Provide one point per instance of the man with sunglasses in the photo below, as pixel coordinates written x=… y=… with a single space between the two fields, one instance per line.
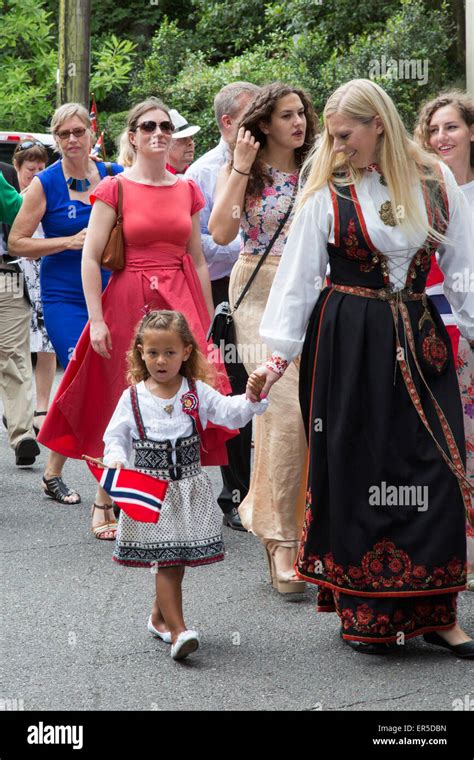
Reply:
x=229 y=105
x=16 y=376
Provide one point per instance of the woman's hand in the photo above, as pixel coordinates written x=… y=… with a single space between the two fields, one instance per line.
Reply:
x=100 y=338
x=116 y=465
x=246 y=149
x=76 y=242
x=259 y=383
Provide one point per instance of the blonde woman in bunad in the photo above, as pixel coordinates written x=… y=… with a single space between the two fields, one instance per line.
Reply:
x=256 y=193
x=446 y=127
x=160 y=419
x=384 y=534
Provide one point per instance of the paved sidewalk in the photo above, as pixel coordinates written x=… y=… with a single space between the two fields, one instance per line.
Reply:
x=74 y=626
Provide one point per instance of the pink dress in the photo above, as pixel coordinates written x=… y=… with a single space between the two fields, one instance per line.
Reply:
x=158 y=274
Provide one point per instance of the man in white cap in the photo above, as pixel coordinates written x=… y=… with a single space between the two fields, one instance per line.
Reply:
x=181 y=152
x=229 y=106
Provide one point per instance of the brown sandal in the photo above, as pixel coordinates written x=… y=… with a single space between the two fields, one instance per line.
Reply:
x=104 y=527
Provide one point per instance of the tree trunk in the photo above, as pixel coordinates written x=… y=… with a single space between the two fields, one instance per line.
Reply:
x=74 y=52
x=459 y=17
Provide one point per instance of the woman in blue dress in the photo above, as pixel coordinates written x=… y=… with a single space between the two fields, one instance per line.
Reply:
x=58 y=198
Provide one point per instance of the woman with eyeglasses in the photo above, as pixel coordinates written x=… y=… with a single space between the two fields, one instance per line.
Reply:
x=164 y=269
x=58 y=198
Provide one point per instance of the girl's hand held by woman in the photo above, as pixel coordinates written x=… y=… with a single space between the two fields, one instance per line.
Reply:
x=259 y=383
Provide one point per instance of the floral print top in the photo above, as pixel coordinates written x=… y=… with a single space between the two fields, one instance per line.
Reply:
x=262 y=215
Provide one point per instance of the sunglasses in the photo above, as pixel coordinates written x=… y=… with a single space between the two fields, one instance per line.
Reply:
x=65 y=133
x=27 y=145
x=150 y=126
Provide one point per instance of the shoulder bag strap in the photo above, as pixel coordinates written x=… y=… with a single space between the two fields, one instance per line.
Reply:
x=266 y=252
x=120 y=200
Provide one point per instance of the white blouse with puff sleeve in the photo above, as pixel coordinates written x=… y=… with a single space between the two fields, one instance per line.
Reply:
x=302 y=270
x=229 y=411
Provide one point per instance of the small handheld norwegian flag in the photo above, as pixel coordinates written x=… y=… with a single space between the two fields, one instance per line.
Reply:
x=140 y=496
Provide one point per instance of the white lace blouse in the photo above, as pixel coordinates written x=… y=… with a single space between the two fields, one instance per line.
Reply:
x=229 y=411
x=302 y=270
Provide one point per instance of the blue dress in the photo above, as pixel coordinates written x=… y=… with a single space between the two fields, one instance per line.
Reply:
x=64 y=305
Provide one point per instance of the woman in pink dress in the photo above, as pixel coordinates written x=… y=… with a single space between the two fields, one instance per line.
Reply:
x=164 y=269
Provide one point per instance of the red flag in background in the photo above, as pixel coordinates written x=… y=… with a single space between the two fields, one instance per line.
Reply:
x=140 y=496
x=99 y=146
x=93 y=116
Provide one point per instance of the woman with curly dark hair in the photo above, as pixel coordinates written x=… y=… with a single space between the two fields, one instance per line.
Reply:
x=255 y=193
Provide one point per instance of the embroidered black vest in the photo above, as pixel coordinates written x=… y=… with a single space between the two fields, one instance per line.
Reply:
x=353 y=258
x=156 y=457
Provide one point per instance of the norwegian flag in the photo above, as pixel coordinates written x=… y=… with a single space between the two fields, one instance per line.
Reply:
x=93 y=115
x=140 y=496
x=99 y=146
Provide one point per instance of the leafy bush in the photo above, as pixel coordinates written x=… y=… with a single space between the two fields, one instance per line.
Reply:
x=112 y=64
x=415 y=42
x=28 y=61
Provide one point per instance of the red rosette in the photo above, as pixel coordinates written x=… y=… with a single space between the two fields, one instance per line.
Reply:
x=189 y=402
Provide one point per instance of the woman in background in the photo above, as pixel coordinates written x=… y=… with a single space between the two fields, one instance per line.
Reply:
x=275 y=135
x=446 y=127
x=29 y=158
x=59 y=199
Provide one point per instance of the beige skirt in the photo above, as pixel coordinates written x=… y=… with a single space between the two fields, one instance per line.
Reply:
x=274 y=506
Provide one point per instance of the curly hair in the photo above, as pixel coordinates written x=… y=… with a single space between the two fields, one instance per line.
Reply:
x=195 y=368
x=261 y=109
x=464 y=104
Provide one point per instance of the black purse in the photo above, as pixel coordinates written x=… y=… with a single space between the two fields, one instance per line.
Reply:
x=222 y=330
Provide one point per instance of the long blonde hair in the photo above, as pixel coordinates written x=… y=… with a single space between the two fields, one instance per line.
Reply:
x=400 y=158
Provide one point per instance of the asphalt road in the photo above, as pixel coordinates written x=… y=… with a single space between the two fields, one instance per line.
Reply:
x=74 y=626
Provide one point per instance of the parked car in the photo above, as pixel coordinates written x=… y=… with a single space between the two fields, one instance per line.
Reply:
x=9 y=141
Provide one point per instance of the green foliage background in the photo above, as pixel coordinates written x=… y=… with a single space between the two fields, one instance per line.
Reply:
x=185 y=50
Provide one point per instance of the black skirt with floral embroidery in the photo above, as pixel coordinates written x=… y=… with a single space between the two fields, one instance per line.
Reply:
x=384 y=533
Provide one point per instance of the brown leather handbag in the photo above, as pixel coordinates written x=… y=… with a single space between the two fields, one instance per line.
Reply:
x=113 y=257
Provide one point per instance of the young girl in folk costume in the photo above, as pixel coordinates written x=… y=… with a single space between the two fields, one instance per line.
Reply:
x=160 y=418
x=446 y=127
x=384 y=534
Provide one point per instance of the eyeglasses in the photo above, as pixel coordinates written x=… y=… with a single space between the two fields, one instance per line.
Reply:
x=65 y=133
x=150 y=126
x=27 y=145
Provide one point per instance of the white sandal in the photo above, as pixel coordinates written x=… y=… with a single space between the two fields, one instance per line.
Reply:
x=166 y=636
x=187 y=642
